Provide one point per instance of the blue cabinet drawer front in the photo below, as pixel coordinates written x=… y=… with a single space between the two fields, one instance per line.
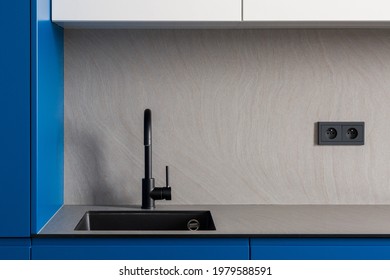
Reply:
x=14 y=249
x=140 y=249
x=320 y=249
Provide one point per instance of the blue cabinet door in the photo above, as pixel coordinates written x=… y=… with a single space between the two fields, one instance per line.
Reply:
x=15 y=118
x=320 y=248
x=140 y=249
x=15 y=248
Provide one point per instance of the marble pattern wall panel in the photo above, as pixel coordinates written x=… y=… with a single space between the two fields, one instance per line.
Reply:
x=234 y=115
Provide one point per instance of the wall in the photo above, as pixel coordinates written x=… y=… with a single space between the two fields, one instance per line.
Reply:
x=234 y=115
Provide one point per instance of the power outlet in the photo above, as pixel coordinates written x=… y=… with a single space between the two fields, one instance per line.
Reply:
x=340 y=133
x=330 y=133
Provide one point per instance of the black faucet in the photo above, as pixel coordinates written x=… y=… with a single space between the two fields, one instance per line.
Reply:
x=149 y=192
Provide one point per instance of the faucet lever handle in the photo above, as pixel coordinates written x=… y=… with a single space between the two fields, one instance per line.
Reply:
x=167 y=176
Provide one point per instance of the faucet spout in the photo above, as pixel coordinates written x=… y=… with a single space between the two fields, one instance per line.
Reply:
x=149 y=192
x=148 y=143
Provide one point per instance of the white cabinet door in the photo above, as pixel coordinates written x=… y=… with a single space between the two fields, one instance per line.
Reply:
x=145 y=10
x=316 y=10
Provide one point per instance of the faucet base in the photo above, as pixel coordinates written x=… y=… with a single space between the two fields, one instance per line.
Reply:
x=147 y=187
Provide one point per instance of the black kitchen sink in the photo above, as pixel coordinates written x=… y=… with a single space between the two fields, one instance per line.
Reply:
x=146 y=220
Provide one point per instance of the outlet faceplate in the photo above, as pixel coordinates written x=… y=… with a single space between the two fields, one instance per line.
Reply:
x=340 y=133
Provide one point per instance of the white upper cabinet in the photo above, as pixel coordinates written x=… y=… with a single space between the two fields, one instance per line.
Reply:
x=106 y=11
x=316 y=10
x=221 y=13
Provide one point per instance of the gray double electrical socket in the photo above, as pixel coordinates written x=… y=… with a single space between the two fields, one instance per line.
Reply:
x=340 y=133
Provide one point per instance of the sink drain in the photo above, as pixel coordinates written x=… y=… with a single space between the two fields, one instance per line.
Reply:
x=193 y=225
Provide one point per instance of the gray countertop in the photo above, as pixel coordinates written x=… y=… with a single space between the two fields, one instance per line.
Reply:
x=248 y=220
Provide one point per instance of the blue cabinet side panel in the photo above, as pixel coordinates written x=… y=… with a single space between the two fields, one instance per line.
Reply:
x=141 y=249
x=320 y=249
x=15 y=248
x=47 y=115
x=15 y=118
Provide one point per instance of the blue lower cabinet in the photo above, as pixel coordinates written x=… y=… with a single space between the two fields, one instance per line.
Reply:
x=140 y=248
x=320 y=248
x=15 y=248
